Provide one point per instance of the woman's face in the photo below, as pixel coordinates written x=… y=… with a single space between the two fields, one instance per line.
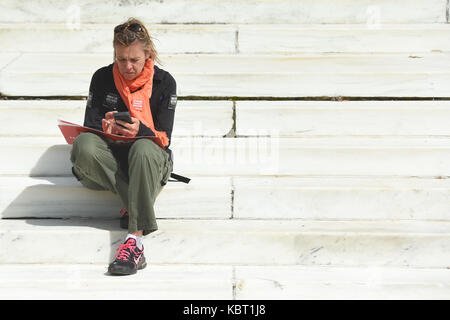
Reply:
x=131 y=59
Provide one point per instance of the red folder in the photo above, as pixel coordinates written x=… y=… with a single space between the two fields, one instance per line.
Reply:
x=71 y=131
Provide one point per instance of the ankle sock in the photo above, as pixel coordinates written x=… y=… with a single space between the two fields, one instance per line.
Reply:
x=138 y=240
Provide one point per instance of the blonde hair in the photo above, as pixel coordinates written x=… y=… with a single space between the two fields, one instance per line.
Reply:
x=125 y=37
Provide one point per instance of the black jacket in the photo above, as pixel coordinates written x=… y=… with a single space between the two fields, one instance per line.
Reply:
x=104 y=97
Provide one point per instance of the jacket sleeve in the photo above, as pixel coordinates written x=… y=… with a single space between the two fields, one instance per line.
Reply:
x=92 y=116
x=166 y=112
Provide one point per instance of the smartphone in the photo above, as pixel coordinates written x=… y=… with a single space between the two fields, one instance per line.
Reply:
x=123 y=116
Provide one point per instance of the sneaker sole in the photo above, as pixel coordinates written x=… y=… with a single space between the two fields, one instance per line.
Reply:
x=123 y=271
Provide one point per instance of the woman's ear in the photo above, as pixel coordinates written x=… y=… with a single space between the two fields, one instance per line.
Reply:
x=147 y=54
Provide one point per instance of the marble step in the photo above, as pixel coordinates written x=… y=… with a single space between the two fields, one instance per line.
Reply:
x=229 y=11
x=253 y=118
x=347 y=198
x=29 y=197
x=407 y=38
x=333 y=118
x=244 y=75
x=421 y=244
x=192 y=118
x=330 y=283
x=241 y=38
x=263 y=155
x=205 y=282
x=98 y=38
x=319 y=198
x=92 y=281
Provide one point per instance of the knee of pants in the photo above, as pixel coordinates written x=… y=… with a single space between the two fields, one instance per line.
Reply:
x=146 y=149
x=84 y=149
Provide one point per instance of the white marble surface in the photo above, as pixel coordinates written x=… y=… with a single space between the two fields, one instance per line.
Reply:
x=332 y=118
x=7 y=58
x=240 y=38
x=78 y=281
x=422 y=244
x=349 y=38
x=242 y=64
x=192 y=118
x=229 y=11
x=98 y=38
x=210 y=156
x=318 y=198
x=355 y=198
x=246 y=75
x=203 y=197
x=192 y=282
x=335 y=283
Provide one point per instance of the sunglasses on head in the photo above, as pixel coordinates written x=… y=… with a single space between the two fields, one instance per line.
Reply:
x=135 y=27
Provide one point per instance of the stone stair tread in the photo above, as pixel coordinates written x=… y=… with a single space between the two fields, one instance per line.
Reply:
x=341 y=198
x=90 y=281
x=192 y=226
x=285 y=242
x=203 y=197
x=333 y=118
x=283 y=118
x=225 y=12
x=327 y=282
x=226 y=38
x=245 y=75
x=241 y=64
x=333 y=156
x=192 y=282
x=297 y=197
x=192 y=118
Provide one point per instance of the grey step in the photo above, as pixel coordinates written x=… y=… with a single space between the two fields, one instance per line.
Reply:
x=238 y=242
x=64 y=197
x=301 y=75
x=229 y=11
x=242 y=38
x=327 y=156
x=192 y=282
x=192 y=118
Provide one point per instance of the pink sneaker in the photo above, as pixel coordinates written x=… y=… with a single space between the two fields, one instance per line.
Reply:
x=128 y=259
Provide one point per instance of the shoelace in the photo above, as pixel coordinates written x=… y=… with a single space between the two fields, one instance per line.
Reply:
x=124 y=250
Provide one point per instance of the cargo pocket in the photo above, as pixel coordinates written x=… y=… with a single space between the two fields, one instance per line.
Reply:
x=86 y=182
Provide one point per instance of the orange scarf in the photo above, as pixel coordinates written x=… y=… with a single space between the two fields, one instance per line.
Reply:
x=138 y=102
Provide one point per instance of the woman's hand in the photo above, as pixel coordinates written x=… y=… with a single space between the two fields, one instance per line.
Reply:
x=120 y=127
x=128 y=129
x=108 y=123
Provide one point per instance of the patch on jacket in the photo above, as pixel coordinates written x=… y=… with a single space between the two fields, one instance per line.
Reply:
x=89 y=100
x=173 y=101
x=111 y=101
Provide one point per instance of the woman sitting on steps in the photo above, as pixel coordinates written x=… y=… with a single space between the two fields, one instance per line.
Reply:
x=136 y=172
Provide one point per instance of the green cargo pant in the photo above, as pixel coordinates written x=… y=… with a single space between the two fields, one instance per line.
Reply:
x=137 y=173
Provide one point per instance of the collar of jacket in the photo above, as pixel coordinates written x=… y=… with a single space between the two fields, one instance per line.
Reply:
x=157 y=76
